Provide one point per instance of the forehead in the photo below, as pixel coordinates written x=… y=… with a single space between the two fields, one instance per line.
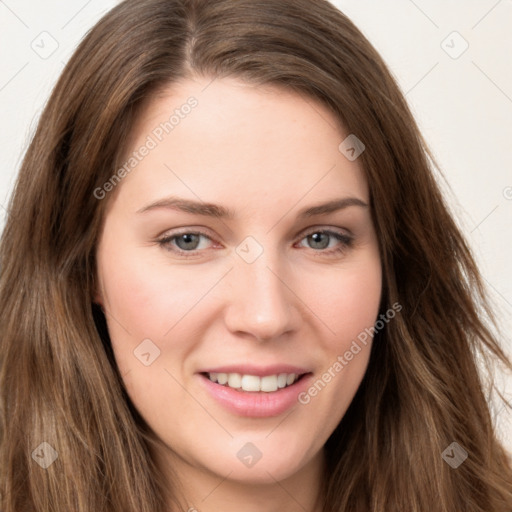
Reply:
x=238 y=144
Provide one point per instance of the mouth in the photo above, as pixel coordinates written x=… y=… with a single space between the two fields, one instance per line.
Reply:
x=254 y=392
x=254 y=383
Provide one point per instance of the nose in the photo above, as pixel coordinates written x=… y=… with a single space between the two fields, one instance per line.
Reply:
x=261 y=304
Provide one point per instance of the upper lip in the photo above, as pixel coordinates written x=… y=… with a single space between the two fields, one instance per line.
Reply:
x=258 y=371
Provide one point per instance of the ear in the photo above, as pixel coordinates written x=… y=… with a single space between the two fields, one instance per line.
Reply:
x=98 y=301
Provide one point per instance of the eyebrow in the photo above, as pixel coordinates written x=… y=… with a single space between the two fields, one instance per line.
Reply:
x=220 y=212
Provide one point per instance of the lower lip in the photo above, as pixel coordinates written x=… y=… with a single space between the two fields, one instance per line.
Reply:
x=256 y=404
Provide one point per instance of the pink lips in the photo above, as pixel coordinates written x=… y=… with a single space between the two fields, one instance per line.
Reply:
x=256 y=404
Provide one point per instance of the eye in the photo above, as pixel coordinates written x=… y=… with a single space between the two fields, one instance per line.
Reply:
x=323 y=239
x=186 y=242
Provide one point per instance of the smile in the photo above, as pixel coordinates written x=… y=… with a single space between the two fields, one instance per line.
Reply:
x=271 y=393
x=253 y=383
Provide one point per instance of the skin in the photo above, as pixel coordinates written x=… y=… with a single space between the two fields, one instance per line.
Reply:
x=264 y=153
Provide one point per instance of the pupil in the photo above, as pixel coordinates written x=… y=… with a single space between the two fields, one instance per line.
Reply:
x=187 y=241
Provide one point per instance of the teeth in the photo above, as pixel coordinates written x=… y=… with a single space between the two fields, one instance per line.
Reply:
x=250 y=383
x=267 y=384
x=281 y=380
x=234 y=380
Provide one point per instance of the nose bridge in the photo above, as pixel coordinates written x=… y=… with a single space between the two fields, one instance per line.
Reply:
x=261 y=303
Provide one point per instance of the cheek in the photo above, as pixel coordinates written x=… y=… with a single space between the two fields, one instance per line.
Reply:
x=346 y=301
x=358 y=302
x=348 y=306
x=148 y=298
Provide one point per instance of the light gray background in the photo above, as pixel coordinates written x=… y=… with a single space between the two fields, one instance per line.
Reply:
x=462 y=101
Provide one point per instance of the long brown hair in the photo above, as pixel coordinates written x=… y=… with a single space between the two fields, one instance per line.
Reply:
x=59 y=383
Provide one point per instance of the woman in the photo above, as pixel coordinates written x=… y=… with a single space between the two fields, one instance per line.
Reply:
x=240 y=285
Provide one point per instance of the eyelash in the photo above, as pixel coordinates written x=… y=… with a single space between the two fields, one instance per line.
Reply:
x=346 y=242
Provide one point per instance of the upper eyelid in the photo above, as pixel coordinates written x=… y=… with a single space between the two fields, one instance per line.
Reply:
x=324 y=229
x=205 y=231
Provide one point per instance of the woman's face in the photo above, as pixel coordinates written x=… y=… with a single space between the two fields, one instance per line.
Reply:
x=239 y=248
